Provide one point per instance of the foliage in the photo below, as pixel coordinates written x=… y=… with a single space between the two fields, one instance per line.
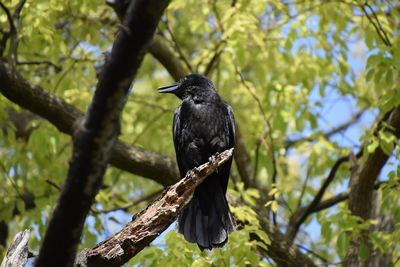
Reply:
x=293 y=71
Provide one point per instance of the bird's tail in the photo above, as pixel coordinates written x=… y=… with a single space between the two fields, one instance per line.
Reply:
x=207 y=222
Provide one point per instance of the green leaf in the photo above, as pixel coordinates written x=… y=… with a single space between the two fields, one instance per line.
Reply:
x=364 y=252
x=342 y=244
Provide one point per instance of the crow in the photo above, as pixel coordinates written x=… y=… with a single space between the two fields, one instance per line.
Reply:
x=203 y=125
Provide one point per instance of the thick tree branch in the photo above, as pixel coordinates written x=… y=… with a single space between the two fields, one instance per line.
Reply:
x=152 y=221
x=66 y=119
x=362 y=183
x=97 y=134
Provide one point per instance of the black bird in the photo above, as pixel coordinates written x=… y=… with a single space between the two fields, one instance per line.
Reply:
x=203 y=125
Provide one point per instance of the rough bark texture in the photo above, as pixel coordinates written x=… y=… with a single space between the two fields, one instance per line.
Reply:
x=66 y=119
x=97 y=133
x=362 y=183
x=17 y=253
x=151 y=222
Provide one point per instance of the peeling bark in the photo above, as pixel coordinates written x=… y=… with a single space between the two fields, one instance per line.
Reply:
x=17 y=254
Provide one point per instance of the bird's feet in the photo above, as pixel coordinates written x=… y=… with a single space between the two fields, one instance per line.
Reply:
x=193 y=172
x=213 y=158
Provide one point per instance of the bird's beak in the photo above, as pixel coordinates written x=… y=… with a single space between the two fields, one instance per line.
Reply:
x=169 y=88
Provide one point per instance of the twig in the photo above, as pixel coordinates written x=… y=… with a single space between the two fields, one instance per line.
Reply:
x=377 y=25
x=356 y=117
x=53 y=184
x=6 y=34
x=299 y=217
x=33 y=62
x=18 y=9
x=177 y=46
x=14 y=41
x=312 y=253
x=9 y=18
x=132 y=204
x=148 y=125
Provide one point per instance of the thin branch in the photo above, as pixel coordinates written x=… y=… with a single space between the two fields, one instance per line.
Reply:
x=377 y=25
x=148 y=126
x=177 y=46
x=9 y=18
x=132 y=204
x=332 y=201
x=159 y=50
x=6 y=34
x=298 y=218
x=341 y=127
x=53 y=184
x=44 y=62
x=14 y=41
x=18 y=9
x=313 y=253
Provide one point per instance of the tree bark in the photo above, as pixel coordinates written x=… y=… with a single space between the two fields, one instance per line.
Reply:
x=362 y=181
x=17 y=254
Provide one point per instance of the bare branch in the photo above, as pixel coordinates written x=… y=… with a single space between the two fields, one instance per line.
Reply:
x=17 y=254
x=177 y=46
x=332 y=201
x=33 y=62
x=376 y=23
x=355 y=118
x=284 y=253
x=152 y=221
x=9 y=18
x=298 y=218
x=132 y=204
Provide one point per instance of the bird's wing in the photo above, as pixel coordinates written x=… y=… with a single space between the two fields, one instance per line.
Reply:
x=230 y=125
x=224 y=170
x=177 y=135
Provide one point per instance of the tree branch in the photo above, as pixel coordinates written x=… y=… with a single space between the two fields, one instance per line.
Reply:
x=298 y=218
x=66 y=119
x=159 y=50
x=290 y=142
x=97 y=134
x=362 y=183
x=152 y=221
x=284 y=253
x=17 y=254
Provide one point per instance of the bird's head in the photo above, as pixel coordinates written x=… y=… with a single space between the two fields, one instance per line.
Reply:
x=193 y=84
